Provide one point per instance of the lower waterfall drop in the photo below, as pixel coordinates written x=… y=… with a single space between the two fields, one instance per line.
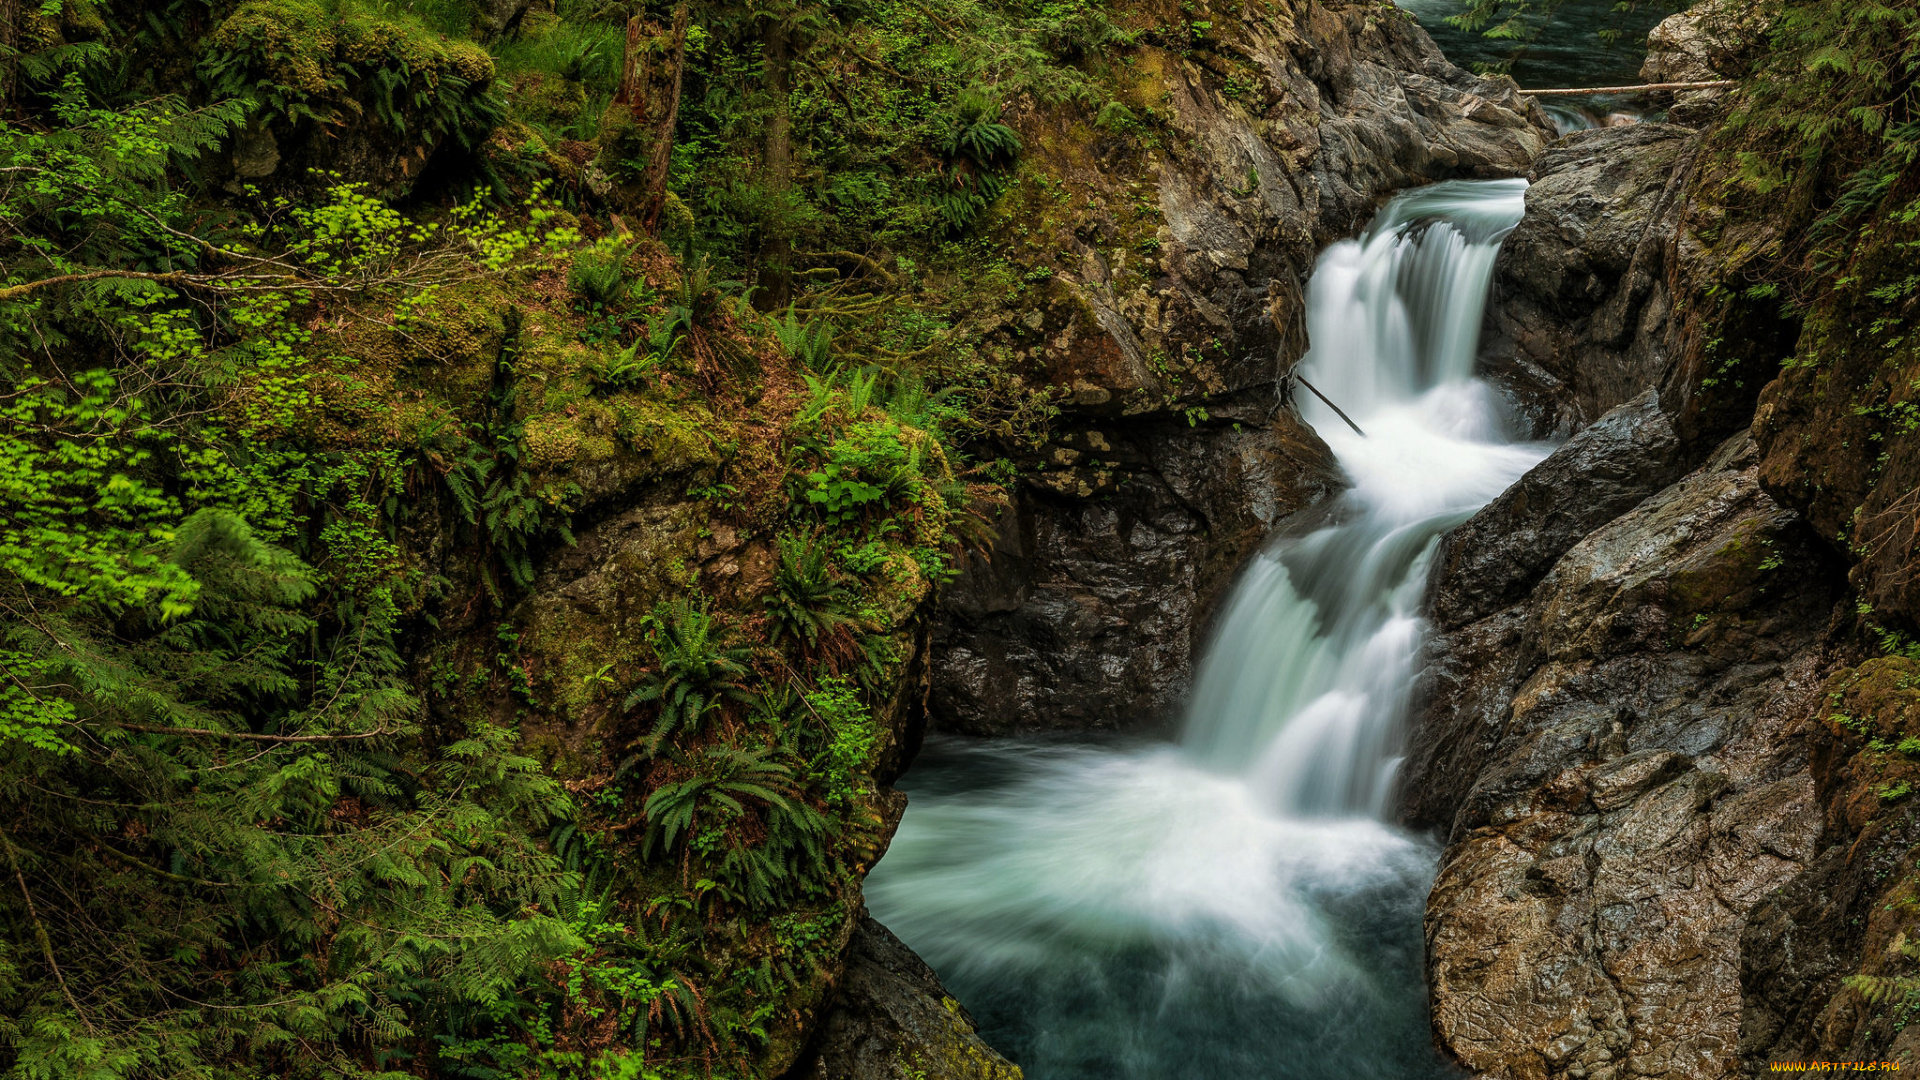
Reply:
x=1235 y=905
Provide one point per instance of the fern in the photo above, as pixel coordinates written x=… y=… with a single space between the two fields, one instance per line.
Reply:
x=728 y=786
x=807 y=606
x=809 y=343
x=978 y=136
x=698 y=672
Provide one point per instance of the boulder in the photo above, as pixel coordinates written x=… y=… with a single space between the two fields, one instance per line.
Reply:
x=892 y=1020
x=1704 y=43
x=1617 y=762
x=1495 y=558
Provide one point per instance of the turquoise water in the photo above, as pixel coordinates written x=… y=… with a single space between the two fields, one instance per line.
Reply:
x=1570 y=53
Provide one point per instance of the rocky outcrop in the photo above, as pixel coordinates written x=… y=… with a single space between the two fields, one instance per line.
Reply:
x=1613 y=282
x=1495 y=559
x=1173 y=310
x=1617 y=763
x=1611 y=725
x=1838 y=432
x=892 y=1020
x=1580 y=319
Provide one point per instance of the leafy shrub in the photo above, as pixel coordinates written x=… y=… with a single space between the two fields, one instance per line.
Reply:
x=870 y=466
x=841 y=497
x=980 y=151
x=845 y=762
x=977 y=135
x=305 y=62
x=694 y=310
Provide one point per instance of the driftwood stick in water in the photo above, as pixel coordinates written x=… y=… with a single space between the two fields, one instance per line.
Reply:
x=1330 y=404
x=1715 y=84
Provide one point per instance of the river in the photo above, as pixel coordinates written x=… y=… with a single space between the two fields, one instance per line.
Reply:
x=1569 y=52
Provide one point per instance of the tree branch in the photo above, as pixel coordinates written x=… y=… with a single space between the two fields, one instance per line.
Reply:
x=171 y=277
x=152 y=729
x=40 y=930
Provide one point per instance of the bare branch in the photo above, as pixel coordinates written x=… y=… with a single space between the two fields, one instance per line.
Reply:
x=153 y=729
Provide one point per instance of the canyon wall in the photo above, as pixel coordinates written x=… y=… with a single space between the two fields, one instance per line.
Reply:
x=1661 y=721
x=1167 y=337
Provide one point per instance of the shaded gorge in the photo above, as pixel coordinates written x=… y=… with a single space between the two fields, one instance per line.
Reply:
x=1234 y=904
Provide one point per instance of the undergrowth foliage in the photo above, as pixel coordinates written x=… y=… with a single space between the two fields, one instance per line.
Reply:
x=284 y=456
x=1827 y=127
x=231 y=844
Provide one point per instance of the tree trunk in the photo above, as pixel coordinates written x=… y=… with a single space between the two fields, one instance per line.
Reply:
x=9 y=40
x=666 y=119
x=650 y=82
x=775 y=289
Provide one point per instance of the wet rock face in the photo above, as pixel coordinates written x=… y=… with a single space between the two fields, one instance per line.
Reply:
x=1580 y=319
x=892 y=1020
x=1172 y=457
x=1618 y=764
x=1087 y=616
x=1495 y=559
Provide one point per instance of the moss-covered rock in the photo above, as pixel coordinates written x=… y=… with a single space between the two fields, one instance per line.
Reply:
x=347 y=93
x=892 y=1020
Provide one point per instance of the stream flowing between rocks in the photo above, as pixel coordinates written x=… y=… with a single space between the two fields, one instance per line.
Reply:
x=1235 y=904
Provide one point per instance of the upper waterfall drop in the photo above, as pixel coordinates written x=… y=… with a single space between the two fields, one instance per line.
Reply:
x=1235 y=905
x=1305 y=683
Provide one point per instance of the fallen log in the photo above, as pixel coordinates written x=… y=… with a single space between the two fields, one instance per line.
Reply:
x=1716 y=84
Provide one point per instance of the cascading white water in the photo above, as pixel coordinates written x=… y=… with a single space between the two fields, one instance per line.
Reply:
x=1234 y=905
x=1309 y=669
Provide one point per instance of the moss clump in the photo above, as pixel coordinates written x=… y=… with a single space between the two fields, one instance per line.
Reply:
x=551 y=440
x=1871 y=756
x=341 y=88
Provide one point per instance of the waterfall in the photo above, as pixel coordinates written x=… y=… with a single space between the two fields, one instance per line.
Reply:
x=1235 y=904
x=1307 y=675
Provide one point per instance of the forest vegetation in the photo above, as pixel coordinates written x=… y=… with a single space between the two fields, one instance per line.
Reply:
x=326 y=323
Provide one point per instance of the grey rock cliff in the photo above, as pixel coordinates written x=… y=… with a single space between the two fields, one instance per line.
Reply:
x=1611 y=722
x=1615 y=762
x=1706 y=42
